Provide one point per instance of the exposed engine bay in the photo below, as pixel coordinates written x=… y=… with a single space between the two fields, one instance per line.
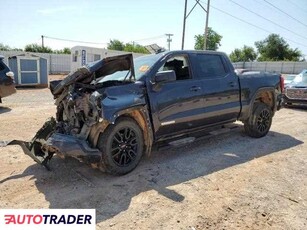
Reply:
x=77 y=109
x=79 y=106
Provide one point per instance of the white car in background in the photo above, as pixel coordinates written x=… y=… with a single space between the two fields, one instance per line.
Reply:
x=296 y=90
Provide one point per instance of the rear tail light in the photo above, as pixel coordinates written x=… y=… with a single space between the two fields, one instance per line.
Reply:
x=10 y=75
x=282 y=83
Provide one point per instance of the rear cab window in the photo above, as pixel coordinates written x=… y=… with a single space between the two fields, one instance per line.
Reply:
x=208 y=66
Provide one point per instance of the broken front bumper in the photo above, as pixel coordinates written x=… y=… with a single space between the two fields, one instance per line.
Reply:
x=67 y=145
x=47 y=142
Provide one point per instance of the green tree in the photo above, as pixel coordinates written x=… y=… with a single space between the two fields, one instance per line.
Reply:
x=66 y=50
x=275 y=48
x=236 y=55
x=128 y=47
x=213 y=42
x=8 y=48
x=135 y=48
x=38 y=49
x=245 y=54
x=4 y=47
x=116 y=45
x=63 y=51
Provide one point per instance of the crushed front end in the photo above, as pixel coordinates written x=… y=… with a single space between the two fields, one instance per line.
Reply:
x=83 y=111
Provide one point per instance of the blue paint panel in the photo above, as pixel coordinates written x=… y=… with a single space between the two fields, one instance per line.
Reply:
x=29 y=78
x=14 y=68
x=28 y=65
x=43 y=71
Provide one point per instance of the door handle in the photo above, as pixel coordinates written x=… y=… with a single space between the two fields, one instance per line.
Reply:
x=195 y=88
x=232 y=84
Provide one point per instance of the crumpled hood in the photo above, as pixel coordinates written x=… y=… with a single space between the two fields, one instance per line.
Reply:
x=94 y=70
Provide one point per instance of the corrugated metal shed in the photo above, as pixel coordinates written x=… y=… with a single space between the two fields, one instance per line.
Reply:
x=57 y=63
x=29 y=69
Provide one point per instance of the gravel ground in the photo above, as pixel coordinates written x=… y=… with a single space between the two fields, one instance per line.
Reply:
x=229 y=181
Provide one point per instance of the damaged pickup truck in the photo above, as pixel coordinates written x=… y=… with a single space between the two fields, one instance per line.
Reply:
x=111 y=112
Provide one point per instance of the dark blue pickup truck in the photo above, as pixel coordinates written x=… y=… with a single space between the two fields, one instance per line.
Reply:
x=111 y=112
x=7 y=84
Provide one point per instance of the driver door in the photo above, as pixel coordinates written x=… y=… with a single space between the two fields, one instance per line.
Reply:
x=176 y=105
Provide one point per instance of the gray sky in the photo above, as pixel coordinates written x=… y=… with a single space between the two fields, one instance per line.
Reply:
x=146 y=22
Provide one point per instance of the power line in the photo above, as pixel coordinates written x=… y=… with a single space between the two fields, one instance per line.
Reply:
x=299 y=7
x=267 y=19
x=258 y=27
x=285 y=13
x=150 y=38
x=68 y=40
x=97 y=43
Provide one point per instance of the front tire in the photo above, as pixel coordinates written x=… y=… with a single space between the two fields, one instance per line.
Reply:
x=122 y=146
x=259 y=123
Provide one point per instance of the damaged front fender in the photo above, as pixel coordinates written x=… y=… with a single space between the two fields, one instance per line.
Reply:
x=119 y=100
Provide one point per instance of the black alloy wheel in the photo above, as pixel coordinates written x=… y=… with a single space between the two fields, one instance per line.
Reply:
x=263 y=121
x=259 y=122
x=124 y=147
x=121 y=146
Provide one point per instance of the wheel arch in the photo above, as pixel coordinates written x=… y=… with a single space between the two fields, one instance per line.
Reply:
x=265 y=95
x=139 y=114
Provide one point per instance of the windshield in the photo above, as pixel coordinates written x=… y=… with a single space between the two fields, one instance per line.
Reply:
x=141 y=66
x=301 y=78
x=290 y=77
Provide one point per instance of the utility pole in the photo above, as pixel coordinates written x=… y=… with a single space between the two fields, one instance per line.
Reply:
x=184 y=19
x=43 y=41
x=206 y=28
x=185 y=16
x=169 y=40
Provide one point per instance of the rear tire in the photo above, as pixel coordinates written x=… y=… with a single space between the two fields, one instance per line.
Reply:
x=122 y=146
x=259 y=123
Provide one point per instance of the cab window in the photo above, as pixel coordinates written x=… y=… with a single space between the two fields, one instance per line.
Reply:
x=209 y=66
x=180 y=65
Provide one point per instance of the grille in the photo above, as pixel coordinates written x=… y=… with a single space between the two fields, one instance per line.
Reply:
x=300 y=94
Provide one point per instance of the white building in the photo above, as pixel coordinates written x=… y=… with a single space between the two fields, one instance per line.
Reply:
x=82 y=55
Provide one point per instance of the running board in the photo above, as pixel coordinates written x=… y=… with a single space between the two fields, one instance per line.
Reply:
x=198 y=136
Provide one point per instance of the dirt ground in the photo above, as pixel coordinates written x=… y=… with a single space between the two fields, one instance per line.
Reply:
x=229 y=181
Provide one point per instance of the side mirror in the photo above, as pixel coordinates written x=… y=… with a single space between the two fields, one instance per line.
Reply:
x=165 y=76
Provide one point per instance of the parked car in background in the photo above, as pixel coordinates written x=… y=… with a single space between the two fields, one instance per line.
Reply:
x=7 y=84
x=288 y=79
x=296 y=91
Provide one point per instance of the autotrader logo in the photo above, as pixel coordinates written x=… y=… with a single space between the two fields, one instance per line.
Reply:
x=48 y=219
